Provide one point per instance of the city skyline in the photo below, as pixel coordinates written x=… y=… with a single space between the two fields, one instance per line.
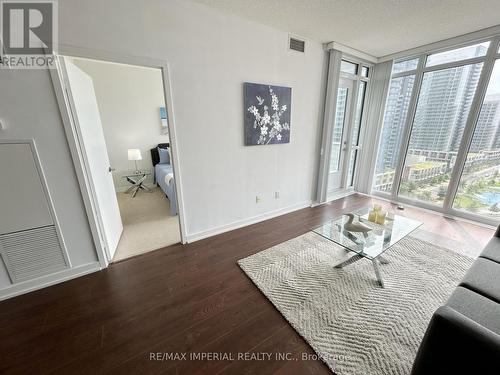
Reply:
x=441 y=115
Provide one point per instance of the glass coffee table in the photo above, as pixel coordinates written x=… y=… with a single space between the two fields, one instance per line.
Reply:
x=369 y=245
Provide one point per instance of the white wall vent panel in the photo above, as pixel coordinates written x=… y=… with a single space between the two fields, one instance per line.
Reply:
x=32 y=253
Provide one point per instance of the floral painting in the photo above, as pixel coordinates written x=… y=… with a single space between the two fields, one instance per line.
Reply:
x=267 y=114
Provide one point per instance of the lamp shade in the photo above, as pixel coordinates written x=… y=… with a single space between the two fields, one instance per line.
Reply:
x=134 y=154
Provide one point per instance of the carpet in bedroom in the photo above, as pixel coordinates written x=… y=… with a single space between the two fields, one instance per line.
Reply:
x=147 y=224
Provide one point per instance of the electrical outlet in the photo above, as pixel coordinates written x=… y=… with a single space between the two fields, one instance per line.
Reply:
x=276 y=195
x=257 y=199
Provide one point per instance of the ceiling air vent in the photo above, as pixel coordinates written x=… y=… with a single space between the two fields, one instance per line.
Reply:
x=297 y=44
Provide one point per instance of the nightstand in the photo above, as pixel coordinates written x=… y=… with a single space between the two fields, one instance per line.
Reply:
x=137 y=180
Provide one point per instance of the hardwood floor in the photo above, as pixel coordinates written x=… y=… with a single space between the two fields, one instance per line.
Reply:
x=181 y=299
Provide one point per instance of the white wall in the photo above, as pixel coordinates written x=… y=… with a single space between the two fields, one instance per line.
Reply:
x=210 y=55
x=129 y=99
x=28 y=109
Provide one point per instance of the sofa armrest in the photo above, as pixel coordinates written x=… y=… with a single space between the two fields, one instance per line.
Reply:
x=455 y=344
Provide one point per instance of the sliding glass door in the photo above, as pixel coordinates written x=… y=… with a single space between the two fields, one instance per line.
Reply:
x=440 y=141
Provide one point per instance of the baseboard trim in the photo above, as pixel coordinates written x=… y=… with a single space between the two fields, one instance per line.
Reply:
x=48 y=280
x=245 y=222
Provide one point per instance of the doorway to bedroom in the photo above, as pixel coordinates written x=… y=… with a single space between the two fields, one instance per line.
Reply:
x=121 y=120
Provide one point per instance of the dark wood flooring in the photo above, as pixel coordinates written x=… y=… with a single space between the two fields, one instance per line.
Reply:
x=192 y=298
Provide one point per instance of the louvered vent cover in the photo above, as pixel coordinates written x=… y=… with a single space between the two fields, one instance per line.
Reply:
x=32 y=253
x=297 y=44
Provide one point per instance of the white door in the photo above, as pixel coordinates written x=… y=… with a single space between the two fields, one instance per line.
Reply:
x=83 y=103
x=340 y=135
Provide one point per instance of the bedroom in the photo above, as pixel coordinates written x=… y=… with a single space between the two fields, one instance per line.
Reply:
x=126 y=138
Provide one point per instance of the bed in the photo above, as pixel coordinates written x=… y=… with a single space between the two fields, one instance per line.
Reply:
x=163 y=177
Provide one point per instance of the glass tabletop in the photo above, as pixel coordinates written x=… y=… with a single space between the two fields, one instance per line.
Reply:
x=136 y=174
x=372 y=244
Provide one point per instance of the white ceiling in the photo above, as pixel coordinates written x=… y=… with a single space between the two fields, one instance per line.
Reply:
x=377 y=27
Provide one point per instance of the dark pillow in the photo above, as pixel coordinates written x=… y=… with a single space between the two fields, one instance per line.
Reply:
x=164 y=155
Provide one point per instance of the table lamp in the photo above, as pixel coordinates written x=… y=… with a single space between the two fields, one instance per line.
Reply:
x=134 y=154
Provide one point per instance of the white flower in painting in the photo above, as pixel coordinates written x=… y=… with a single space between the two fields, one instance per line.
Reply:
x=267 y=119
x=274 y=100
x=255 y=112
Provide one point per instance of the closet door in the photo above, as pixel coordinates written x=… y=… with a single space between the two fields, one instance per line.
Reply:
x=22 y=198
x=30 y=245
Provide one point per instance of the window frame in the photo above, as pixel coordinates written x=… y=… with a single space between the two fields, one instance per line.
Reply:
x=488 y=61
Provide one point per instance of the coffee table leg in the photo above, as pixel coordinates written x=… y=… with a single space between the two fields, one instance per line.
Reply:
x=383 y=260
x=351 y=260
x=376 y=267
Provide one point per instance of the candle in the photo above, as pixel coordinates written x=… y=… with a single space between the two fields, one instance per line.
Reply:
x=372 y=216
x=381 y=217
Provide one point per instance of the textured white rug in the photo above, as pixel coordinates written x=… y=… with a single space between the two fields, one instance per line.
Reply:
x=355 y=326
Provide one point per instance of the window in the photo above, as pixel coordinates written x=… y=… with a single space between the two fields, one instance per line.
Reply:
x=443 y=107
x=348 y=67
x=479 y=187
x=433 y=150
x=398 y=101
x=405 y=66
x=364 y=71
x=463 y=53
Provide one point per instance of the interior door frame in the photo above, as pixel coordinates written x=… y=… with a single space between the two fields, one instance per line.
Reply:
x=75 y=146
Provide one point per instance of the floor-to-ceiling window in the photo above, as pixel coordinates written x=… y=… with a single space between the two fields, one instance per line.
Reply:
x=440 y=139
x=479 y=188
x=442 y=111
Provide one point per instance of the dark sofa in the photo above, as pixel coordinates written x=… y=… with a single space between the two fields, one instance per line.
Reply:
x=463 y=336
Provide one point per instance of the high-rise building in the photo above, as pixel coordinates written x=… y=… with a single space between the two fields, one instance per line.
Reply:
x=398 y=100
x=443 y=106
x=444 y=102
x=486 y=134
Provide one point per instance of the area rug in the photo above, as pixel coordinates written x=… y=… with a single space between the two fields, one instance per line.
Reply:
x=355 y=326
